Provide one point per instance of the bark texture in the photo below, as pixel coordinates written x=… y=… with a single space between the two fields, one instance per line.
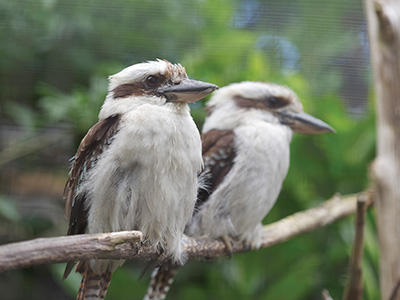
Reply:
x=127 y=244
x=384 y=32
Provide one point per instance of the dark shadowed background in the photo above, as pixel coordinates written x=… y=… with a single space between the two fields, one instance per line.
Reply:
x=55 y=57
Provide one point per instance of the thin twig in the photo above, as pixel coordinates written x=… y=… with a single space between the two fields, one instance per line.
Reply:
x=27 y=146
x=395 y=293
x=353 y=289
x=126 y=245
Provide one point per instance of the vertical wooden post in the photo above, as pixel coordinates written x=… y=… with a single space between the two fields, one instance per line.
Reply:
x=384 y=32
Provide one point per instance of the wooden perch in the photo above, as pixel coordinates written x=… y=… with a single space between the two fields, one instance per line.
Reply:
x=126 y=244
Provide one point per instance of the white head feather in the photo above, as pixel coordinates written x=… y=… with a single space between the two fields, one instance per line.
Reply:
x=136 y=75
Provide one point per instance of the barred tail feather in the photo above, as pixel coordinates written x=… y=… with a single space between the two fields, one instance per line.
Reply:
x=93 y=286
x=161 y=281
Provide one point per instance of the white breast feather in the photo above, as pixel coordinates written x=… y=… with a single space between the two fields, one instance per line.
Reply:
x=251 y=188
x=147 y=179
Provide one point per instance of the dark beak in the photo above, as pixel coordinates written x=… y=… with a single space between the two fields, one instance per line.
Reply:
x=188 y=90
x=304 y=123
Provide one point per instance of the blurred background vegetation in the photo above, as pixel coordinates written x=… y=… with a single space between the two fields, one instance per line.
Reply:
x=55 y=57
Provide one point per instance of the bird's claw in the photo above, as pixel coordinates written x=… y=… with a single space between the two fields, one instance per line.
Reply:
x=228 y=245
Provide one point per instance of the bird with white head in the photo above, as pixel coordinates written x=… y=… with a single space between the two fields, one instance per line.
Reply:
x=246 y=144
x=136 y=169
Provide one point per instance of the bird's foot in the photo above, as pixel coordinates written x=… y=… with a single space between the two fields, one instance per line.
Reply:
x=227 y=240
x=249 y=246
x=253 y=244
x=136 y=246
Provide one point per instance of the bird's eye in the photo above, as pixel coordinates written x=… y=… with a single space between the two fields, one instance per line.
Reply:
x=151 y=81
x=275 y=102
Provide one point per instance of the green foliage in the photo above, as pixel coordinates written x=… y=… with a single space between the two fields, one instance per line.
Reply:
x=79 y=109
x=8 y=209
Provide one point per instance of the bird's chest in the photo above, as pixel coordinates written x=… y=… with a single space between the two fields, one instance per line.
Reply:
x=157 y=136
x=150 y=158
x=263 y=150
x=262 y=163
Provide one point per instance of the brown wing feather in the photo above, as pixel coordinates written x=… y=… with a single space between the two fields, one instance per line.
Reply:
x=218 y=155
x=93 y=144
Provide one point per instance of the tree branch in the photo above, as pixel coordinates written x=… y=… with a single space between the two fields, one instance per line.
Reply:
x=60 y=249
x=126 y=244
x=353 y=290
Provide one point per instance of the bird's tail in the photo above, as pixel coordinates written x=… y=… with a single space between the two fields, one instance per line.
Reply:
x=161 y=281
x=93 y=286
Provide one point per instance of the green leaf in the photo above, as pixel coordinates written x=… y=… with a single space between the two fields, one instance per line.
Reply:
x=8 y=209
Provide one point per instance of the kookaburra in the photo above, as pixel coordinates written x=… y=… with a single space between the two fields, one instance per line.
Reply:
x=246 y=143
x=137 y=167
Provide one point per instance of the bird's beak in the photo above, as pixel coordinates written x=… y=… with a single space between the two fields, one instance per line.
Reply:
x=304 y=123
x=188 y=90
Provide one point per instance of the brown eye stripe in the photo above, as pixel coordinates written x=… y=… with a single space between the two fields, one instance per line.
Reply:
x=129 y=89
x=267 y=104
x=277 y=102
x=243 y=102
x=139 y=88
